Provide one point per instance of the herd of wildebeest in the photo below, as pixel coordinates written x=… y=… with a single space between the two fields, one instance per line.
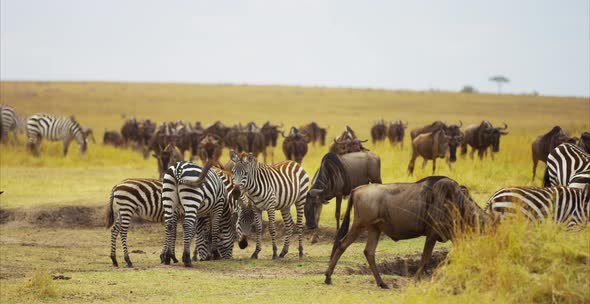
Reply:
x=435 y=207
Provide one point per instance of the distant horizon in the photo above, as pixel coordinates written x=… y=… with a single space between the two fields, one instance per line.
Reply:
x=290 y=85
x=541 y=46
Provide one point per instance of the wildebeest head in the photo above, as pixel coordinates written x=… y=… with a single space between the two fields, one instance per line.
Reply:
x=314 y=199
x=584 y=142
x=495 y=134
x=454 y=139
x=271 y=133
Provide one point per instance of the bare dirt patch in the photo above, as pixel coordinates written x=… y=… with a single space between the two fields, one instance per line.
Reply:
x=402 y=266
x=69 y=216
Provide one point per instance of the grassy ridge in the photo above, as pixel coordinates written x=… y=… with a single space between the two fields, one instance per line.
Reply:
x=53 y=180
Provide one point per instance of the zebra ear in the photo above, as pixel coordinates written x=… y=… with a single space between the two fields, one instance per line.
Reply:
x=233 y=156
x=250 y=157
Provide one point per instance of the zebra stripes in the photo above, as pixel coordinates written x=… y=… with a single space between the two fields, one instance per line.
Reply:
x=139 y=197
x=9 y=122
x=271 y=188
x=207 y=199
x=561 y=204
x=53 y=128
x=566 y=165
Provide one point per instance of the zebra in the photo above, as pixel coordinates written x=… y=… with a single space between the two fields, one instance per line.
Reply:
x=185 y=189
x=9 y=122
x=562 y=204
x=133 y=197
x=274 y=187
x=54 y=128
x=565 y=162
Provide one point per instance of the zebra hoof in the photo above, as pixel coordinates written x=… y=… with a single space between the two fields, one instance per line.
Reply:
x=243 y=244
x=328 y=280
x=195 y=258
x=283 y=254
x=129 y=265
x=254 y=256
x=275 y=257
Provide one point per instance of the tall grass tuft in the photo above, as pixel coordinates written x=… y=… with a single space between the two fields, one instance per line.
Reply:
x=40 y=286
x=519 y=262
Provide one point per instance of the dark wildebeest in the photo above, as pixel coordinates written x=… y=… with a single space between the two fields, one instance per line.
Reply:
x=336 y=177
x=112 y=138
x=130 y=131
x=544 y=144
x=271 y=134
x=584 y=142
x=347 y=142
x=294 y=145
x=251 y=140
x=218 y=128
x=314 y=133
x=166 y=157
x=435 y=207
x=396 y=132
x=481 y=137
x=209 y=150
x=378 y=131
x=430 y=146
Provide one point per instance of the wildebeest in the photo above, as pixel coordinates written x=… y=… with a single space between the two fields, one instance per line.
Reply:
x=314 y=133
x=130 y=131
x=252 y=140
x=396 y=132
x=167 y=157
x=544 y=144
x=347 y=142
x=336 y=177
x=435 y=207
x=430 y=146
x=481 y=137
x=584 y=142
x=378 y=131
x=294 y=145
x=112 y=138
x=271 y=134
x=210 y=149
x=218 y=128
x=455 y=136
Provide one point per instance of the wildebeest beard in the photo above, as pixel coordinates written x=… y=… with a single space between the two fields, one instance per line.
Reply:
x=453 y=152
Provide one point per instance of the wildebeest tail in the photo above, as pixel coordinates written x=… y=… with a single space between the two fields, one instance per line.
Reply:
x=344 y=226
x=110 y=216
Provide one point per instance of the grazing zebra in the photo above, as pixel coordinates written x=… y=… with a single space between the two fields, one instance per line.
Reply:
x=9 y=122
x=207 y=198
x=564 y=163
x=562 y=204
x=133 y=197
x=53 y=128
x=271 y=188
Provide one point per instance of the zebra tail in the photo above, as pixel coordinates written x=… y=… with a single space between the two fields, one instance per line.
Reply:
x=110 y=216
x=344 y=226
x=202 y=176
x=546 y=182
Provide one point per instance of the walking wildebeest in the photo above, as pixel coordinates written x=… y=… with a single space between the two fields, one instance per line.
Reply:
x=481 y=137
x=431 y=146
x=378 y=131
x=271 y=134
x=435 y=207
x=209 y=150
x=314 y=133
x=544 y=144
x=112 y=138
x=295 y=145
x=167 y=157
x=396 y=132
x=336 y=177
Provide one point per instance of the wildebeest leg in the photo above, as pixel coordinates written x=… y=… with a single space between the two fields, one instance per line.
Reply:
x=433 y=165
x=114 y=233
x=472 y=152
x=535 y=161
x=412 y=162
x=372 y=240
x=271 y=229
x=258 y=221
x=424 y=161
x=318 y=212
x=338 y=204
x=480 y=153
x=426 y=254
x=350 y=237
x=288 y=220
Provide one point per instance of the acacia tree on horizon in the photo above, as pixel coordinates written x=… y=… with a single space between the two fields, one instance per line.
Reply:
x=499 y=80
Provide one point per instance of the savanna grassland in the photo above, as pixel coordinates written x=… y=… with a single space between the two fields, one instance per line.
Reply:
x=518 y=263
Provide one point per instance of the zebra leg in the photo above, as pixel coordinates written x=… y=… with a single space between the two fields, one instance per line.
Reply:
x=272 y=230
x=114 y=233
x=299 y=206
x=124 y=229
x=188 y=234
x=215 y=219
x=288 y=220
x=258 y=220
x=66 y=146
x=170 y=239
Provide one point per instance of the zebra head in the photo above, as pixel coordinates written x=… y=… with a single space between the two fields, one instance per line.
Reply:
x=242 y=164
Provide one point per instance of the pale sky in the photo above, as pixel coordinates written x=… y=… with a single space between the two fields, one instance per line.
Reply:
x=540 y=46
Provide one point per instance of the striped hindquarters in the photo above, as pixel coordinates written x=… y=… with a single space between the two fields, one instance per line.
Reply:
x=563 y=163
x=559 y=204
x=140 y=197
x=8 y=120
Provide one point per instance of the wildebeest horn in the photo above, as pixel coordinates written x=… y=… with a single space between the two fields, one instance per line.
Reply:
x=362 y=141
x=460 y=124
x=339 y=141
x=283 y=134
x=505 y=126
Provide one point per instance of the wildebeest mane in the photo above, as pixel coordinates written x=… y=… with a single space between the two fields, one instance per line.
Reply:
x=330 y=167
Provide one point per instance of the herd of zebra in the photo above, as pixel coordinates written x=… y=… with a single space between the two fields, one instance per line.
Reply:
x=218 y=205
